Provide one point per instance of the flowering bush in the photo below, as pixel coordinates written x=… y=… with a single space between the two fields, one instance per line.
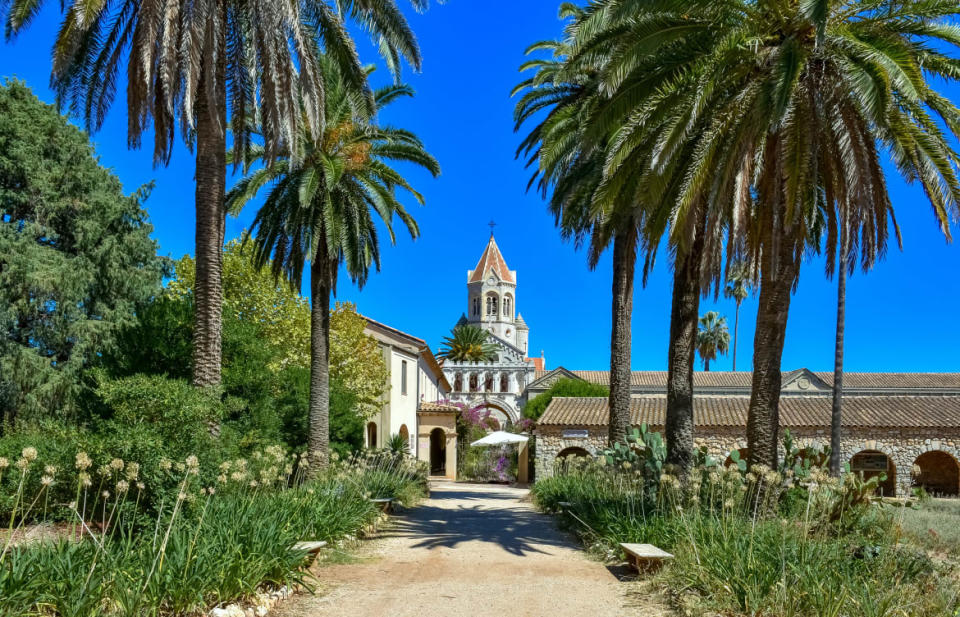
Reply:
x=209 y=543
x=757 y=542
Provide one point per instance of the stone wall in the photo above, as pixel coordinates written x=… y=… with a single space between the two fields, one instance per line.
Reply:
x=903 y=447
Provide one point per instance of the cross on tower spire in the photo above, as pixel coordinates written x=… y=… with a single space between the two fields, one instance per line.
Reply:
x=492 y=224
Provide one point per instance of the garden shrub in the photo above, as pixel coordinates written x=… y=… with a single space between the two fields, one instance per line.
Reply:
x=207 y=543
x=758 y=542
x=562 y=387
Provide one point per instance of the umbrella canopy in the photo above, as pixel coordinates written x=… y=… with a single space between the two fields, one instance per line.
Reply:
x=499 y=438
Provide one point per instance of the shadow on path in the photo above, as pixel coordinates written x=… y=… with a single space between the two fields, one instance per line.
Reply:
x=449 y=519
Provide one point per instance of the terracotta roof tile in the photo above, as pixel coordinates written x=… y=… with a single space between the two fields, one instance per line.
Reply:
x=538 y=364
x=438 y=407
x=491 y=260
x=742 y=379
x=731 y=411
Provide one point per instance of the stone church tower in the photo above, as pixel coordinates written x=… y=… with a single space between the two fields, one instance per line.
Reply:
x=492 y=298
x=492 y=305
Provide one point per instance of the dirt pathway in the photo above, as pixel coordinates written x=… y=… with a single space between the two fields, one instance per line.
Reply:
x=471 y=551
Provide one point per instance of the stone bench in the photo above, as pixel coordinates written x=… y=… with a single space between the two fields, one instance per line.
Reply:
x=645 y=557
x=312 y=547
x=383 y=503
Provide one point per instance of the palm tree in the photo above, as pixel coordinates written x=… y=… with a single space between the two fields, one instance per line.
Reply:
x=468 y=343
x=712 y=337
x=738 y=287
x=194 y=67
x=786 y=107
x=323 y=210
x=844 y=263
x=569 y=170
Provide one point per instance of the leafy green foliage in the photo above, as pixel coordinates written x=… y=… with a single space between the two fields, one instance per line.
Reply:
x=204 y=547
x=642 y=451
x=76 y=258
x=745 y=544
x=562 y=387
x=468 y=343
x=252 y=296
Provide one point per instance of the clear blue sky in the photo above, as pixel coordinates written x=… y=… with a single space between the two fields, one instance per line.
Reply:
x=900 y=316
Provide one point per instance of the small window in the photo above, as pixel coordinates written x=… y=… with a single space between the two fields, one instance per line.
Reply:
x=458 y=383
x=504 y=382
x=403 y=377
x=476 y=306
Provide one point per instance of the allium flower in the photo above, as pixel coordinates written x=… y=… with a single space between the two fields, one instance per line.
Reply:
x=29 y=453
x=72 y=505
x=181 y=496
x=123 y=486
x=165 y=464
x=46 y=480
x=50 y=470
x=4 y=462
x=238 y=476
x=85 y=480
x=83 y=461
x=22 y=464
x=211 y=491
x=104 y=470
x=116 y=464
x=133 y=471
x=253 y=484
x=225 y=466
x=141 y=486
x=192 y=461
x=222 y=479
x=105 y=494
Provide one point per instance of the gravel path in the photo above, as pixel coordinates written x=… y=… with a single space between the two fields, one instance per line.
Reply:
x=472 y=551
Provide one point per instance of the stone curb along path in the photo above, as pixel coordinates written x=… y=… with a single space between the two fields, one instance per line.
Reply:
x=471 y=551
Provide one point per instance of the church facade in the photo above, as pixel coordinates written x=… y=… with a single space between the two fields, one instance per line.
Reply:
x=500 y=385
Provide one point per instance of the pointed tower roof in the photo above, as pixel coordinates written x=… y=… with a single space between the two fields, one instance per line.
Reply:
x=493 y=260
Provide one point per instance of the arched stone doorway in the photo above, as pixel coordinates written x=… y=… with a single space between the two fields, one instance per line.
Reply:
x=438 y=452
x=371 y=434
x=573 y=451
x=872 y=463
x=939 y=473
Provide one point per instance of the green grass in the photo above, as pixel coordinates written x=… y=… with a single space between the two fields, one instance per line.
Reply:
x=934 y=525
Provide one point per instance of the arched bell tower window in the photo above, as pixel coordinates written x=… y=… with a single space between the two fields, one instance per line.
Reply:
x=474 y=382
x=476 y=306
x=507 y=305
x=458 y=383
x=492 y=305
x=504 y=382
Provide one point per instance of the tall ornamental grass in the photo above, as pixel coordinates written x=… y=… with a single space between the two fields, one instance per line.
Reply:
x=762 y=542
x=208 y=545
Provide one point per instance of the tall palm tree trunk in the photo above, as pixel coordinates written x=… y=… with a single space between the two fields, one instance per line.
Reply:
x=836 y=412
x=624 y=262
x=779 y=273
x=210 y=214
x=736 y=330
x=320 y=290
x=684 y=312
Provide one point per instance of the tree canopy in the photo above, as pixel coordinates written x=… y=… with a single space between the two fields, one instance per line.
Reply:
x=76 y=258
x=253 y=295
x=562 y=387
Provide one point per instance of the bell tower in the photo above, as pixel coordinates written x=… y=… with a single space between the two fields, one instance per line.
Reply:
x=492 y=296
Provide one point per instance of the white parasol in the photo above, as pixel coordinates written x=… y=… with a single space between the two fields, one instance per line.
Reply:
x=499 y=438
